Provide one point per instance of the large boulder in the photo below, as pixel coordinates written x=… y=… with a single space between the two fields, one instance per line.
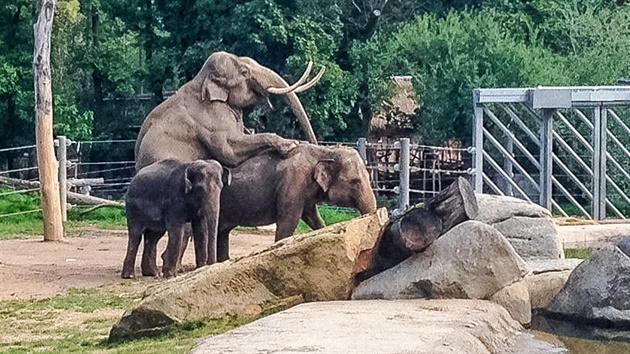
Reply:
x=546 y=278
x=598 y=290
x=515 y=299
x=527 y=226
x=471 y=261
x=317 y=266
x=402 y=326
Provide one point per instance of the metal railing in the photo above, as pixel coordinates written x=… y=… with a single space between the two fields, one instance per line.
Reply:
x=565 y=148
x=409 y=172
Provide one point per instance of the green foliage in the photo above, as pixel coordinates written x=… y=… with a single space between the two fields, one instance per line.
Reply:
x=11 y=203
x=330 y=215
x=106 y=52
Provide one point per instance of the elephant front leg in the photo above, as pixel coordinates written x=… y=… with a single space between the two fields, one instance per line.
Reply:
x=171 y=255
x=200 y=235
x=311 y=217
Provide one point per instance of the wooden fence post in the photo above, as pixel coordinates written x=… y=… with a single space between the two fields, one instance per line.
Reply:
x=49 y=186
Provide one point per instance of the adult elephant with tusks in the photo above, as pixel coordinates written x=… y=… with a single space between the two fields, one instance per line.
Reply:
x=268 y=188
x=204 y=118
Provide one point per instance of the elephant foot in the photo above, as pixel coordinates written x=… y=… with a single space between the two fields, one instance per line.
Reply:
x=127 y=275
x=150 y=272
x=168 y=273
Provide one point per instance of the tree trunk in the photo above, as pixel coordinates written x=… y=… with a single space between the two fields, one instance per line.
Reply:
x=48 y=166
x=418 y=228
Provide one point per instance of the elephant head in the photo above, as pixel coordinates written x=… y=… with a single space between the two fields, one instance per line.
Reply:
x=204 y=181
x=344 y=179
x=242 y=82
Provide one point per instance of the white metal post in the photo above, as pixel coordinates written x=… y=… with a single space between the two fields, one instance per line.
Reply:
x=404 y=174
x=477 y=142
x=546 y=160
x=63 y=168
x=362 y=147
x=599 y=163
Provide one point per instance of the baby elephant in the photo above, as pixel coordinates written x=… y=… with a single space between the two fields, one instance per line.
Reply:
x=165 y=196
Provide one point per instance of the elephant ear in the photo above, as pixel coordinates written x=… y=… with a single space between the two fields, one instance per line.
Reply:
x=188 y=184
x=225 y=73
x=323 y=174
x=212 y=91
x=192 y=175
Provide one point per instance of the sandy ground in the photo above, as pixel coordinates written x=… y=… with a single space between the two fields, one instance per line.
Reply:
x=31 y=268
x=89 y=258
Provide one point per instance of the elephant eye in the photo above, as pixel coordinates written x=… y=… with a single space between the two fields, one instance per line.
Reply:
x=355 y=181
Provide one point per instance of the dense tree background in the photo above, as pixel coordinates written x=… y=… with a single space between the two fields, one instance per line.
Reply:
x=114 y=60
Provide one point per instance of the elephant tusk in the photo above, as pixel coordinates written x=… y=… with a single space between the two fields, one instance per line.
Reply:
x=285 y=90
x=311 y=83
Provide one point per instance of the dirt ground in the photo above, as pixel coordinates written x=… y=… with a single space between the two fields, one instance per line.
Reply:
x=89 y=258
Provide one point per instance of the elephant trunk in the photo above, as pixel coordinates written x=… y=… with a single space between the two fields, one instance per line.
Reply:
x=366 y=203
x=212 y=219
x=268 y=78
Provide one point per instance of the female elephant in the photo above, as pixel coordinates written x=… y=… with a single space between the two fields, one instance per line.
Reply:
x=268 y=188
x=164 y=197
x=204 y=118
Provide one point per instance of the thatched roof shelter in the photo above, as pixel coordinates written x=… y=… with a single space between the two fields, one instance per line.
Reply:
x=394 y=119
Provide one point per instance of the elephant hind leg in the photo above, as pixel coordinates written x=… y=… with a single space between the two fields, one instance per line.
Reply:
x=129 y=264
x=149 y=255
x=223 y=243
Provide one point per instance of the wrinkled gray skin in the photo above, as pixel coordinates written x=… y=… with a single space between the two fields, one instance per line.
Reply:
x=267 y=189
x=164 y=197
x=204 y=118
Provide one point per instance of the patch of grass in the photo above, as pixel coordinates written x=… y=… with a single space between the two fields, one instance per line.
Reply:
x=67 y=324
x=581 y=253
x=9 y=231
x=331 y=215
x=16 y=226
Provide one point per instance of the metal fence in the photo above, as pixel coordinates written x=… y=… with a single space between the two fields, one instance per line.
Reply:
x=402 y=173
x=565 y=148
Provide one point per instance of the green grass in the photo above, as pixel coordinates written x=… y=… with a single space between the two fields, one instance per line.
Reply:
x=16 y=226
x=330 y=215
x=581 y=253
x=67 y=324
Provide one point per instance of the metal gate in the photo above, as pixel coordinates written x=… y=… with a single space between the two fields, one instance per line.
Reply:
x=564 y=148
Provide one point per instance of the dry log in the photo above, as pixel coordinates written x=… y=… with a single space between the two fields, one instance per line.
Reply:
x=417 y=228
x=455 y=204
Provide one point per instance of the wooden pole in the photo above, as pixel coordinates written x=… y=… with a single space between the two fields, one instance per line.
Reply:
x=49 y=186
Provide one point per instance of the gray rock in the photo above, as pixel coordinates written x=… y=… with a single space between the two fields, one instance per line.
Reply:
x=532 y=238
x=598 y=290
x=402 y=326
x=515 y=299
x=471 y=261
x=527 y=226
x=495 y=208
x=546 y=278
